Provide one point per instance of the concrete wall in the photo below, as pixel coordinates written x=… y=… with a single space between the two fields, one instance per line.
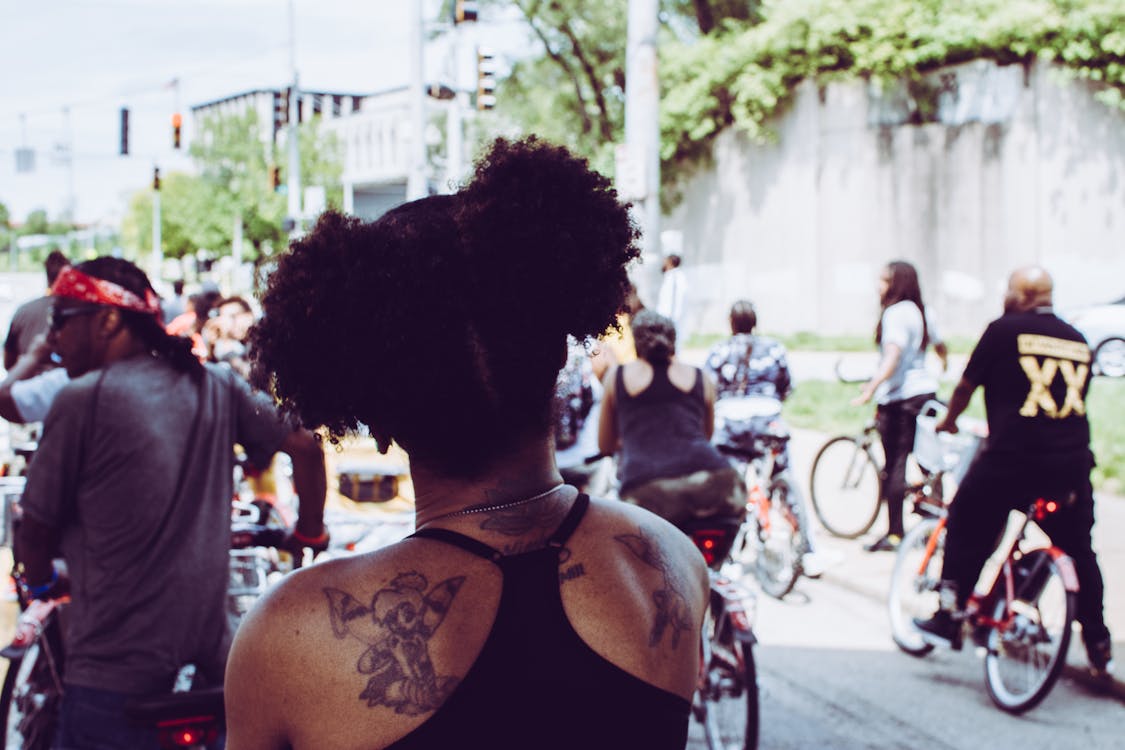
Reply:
x=1012 y=166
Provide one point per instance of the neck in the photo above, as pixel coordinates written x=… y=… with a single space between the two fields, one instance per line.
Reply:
x=518 y=475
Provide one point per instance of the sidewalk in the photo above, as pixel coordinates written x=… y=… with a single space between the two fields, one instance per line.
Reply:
x=869 y=573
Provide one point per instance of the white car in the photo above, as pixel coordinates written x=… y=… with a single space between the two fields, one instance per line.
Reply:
x=1104 y=329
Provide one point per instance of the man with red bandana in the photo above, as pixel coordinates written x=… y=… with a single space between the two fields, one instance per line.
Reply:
x=131 y=486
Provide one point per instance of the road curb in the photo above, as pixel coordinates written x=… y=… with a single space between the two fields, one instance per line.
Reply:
x=1076 y=668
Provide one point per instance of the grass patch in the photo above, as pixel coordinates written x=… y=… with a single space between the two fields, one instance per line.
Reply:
x=825 y=406
x=815 y=342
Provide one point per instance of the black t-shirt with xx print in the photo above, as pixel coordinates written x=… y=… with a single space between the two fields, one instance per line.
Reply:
x=1035 y=369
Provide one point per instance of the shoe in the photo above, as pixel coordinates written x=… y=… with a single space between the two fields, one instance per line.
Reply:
x=1099 y=655
x=888 y=543
x=813 y=564
x=943 y=629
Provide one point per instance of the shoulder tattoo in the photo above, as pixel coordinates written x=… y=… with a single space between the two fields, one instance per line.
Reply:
x=672 y=610
x=396 y=628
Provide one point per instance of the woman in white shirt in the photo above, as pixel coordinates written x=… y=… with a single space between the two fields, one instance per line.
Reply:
x=901 y=384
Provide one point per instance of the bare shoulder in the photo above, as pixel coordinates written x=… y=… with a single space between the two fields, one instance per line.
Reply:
x=618 y=518
x=327 y=658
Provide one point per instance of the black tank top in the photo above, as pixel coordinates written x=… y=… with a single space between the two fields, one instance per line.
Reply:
x=536 y=684
x=662 y=431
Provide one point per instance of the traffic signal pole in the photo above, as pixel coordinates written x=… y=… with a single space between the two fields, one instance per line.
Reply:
x=642 y=132
x=294 y=186
x=157 y=261
x=416 y=176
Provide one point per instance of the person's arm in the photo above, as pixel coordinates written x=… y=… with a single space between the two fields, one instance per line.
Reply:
x=942 y=352
x=708 y=405
x=256 y=673
x=34 y=548
x=608 y=437
x=892 y=354
x=309 y=480
x=957 y=403
x=25 y=367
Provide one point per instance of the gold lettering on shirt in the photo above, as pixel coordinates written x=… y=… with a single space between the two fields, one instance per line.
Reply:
x=1049 y=346
x=1039 y=397
x=1075 y=378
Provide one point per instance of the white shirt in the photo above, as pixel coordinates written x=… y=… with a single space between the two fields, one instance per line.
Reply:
x=670 y=301
x=33 y=397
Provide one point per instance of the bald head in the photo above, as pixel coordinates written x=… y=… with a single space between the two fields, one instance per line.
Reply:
x=1029 y=287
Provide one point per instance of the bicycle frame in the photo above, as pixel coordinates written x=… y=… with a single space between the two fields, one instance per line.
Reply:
x=978 y=603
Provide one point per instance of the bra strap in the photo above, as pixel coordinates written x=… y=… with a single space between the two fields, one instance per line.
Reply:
x=466 y=543
x=570 y=523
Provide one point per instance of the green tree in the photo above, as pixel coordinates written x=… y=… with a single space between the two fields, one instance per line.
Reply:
x=5 y=216
x=36 y=223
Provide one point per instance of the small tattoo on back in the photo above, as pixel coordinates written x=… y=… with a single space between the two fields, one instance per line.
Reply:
x=672 y=610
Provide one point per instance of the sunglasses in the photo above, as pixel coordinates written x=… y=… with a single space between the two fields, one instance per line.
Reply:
x=58 y=316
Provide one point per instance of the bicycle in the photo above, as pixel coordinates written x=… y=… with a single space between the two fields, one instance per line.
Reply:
x=846 y=479
x=1022 y=619
x=772 y=540
x=726 y=700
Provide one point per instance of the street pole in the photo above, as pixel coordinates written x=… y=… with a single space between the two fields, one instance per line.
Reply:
x=294 y=184
x=416 y=177
x=642 y=133
x=157 y=249
x=454 y=122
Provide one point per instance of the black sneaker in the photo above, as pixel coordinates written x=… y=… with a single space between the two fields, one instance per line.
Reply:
x=1100 y=657
x=943 y=629
x=888 y=543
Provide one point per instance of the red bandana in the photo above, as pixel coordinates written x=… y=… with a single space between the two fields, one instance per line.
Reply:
x=73 y=284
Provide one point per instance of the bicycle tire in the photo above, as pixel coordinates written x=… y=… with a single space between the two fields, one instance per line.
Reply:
x=913 y=592
x=29 y=702
x=778 y=563
x=726 y=704
x=1035 y=625
x=846 y=485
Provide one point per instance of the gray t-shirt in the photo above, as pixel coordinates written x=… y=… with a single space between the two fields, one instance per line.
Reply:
x=902 y=326
x=29 y=320
x=149 y=566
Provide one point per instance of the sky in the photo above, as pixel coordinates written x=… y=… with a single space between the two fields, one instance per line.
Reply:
x=93 y=57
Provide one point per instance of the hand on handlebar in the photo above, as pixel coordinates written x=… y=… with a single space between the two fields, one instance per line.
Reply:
x=296 y=543
x=945 y=424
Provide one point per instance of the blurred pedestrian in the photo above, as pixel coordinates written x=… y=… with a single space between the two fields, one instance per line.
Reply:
x=673 y=292
x=176 y=305
x=30 y=318
x=900 y=386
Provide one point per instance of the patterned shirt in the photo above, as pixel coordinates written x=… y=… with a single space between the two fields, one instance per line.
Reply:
x=746 y=364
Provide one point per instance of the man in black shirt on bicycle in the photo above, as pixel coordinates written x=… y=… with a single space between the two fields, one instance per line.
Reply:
x=1035 y=369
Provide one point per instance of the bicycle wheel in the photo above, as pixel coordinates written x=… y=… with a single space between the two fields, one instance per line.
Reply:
x=726 y=702
x=914 y=586
x=846 y=486
x=1026 y=655
x=29 y=702
x=781 y=543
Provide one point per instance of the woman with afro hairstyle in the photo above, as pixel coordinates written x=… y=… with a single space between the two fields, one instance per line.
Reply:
x=521 y=613
x=657 y=416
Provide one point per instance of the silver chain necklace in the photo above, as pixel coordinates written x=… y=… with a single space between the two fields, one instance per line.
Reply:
x=500 y=506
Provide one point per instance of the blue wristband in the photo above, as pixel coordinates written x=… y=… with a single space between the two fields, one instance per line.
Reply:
x=43 y=588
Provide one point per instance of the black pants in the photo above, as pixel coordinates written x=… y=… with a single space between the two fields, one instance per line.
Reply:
x=897 y=421
x=996 y=485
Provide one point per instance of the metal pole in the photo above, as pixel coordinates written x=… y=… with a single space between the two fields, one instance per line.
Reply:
x=642 y=132
x=294 y=184
x=157 y=248
x=454 y=123
x=71 y=201
x=416 y=177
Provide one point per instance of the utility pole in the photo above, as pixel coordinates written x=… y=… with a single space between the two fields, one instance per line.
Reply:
x=157 y=261
x=416 y=177
x=294 y=186
x=454 y=122
x=642 y=132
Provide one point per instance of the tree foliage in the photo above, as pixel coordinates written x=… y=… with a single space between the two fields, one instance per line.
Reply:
x=233 y=181
x=735 y=63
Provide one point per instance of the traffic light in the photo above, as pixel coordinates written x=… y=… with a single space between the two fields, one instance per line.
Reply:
x=124 y=131
x=156 y=178
x=275 y=178
x=464 y=11
x=486 y=79
x=177 y=121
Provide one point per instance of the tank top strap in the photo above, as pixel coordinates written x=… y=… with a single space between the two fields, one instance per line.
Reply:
x=467 y=543
x=570 y=523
